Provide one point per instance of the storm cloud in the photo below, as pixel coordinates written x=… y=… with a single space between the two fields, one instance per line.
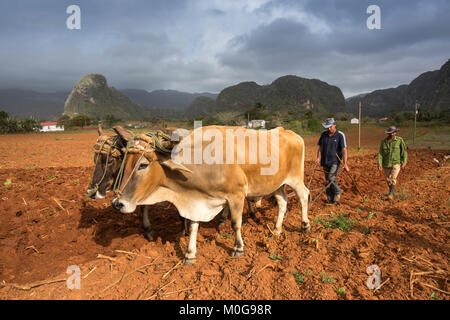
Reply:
x=202 y=45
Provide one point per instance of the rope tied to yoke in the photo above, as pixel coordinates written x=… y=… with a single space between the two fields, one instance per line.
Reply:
x=144 y=144
x=105 y=145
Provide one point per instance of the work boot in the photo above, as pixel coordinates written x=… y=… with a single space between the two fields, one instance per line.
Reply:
x=337 y=197
x=391 y=192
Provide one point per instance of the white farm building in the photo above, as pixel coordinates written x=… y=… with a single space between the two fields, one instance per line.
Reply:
x=50 y=126
x=256 y=124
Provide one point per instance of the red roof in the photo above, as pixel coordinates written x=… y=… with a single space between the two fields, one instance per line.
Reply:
x=49 y=123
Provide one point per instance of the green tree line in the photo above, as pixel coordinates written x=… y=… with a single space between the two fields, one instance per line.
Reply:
x=10 y=124
x=83 y=120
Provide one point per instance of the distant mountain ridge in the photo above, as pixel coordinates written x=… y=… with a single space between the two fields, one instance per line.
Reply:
x=93 y=97
x=50 y=106
x=287 y=92
x=430 y=89
x=284 y=93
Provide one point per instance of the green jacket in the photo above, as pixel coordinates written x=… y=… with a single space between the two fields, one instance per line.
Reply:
x=392 y=153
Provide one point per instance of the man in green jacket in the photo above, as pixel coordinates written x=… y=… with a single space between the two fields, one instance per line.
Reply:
x=391 y=157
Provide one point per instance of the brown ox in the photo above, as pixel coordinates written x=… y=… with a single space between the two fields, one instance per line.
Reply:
x=201 y=189
x=108 y=157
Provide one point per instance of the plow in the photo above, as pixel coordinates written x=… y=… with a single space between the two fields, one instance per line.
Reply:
x=321 y=190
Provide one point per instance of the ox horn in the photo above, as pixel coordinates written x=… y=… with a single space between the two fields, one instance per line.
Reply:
x=123 y=133
x=100 y=130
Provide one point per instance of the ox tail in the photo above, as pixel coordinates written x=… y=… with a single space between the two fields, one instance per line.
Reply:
x=300 y=167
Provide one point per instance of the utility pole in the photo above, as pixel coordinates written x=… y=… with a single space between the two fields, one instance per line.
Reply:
x=359 y=126
x=416 y=108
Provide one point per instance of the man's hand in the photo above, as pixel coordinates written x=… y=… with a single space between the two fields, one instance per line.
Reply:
x=346 y=167
x=403 y=166
x=380 y=170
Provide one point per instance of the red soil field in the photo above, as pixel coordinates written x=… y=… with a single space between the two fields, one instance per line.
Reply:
x=47 y=225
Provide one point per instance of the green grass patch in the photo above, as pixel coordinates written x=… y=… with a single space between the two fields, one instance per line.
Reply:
x=226 y=236
x=341 y=222
x=340 y=291
x=366 y=230
x=403 y=195
x=30 y=167
x=435 y=296
x=63 y=139
x=274 y=257
x=7 y=182
x=327 y=278
x=299 y=278
x=371 y=214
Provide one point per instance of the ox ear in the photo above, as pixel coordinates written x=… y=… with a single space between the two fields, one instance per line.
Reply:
x=122 y=133
x=172 y=165
x=100 y=130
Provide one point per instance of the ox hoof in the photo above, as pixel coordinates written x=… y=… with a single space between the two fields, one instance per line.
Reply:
x=184 y=232
x=306 y=227
x=237 y=253
x=149 y=234
x=189 y=261
x=276 y=233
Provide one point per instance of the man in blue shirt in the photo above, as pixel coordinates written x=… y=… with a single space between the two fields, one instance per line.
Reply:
x=332 y=142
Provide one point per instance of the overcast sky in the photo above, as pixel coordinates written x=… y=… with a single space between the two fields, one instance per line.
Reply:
x=207 y=45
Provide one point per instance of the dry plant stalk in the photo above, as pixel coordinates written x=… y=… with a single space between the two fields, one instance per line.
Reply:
x=93 y=269
x=136 y=254
x=424 y=264
x=101 y=256
x=31 y=286
x=60 y=206
x=159 y=289
x=32 y=247
x=270 y=229
x=252 y=272
x=434 y=288
x=181 y=290
x=173 y=268
x=386 y=281
x=126 y=275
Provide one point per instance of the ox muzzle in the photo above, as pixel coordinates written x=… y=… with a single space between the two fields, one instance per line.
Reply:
x=123 y=205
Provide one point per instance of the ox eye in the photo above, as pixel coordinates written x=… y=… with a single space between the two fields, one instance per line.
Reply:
x=143 y=166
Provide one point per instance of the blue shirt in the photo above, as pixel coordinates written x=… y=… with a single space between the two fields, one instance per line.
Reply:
x=329 y=146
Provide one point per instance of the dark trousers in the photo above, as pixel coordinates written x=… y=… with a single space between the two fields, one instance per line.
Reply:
x=331 y=176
